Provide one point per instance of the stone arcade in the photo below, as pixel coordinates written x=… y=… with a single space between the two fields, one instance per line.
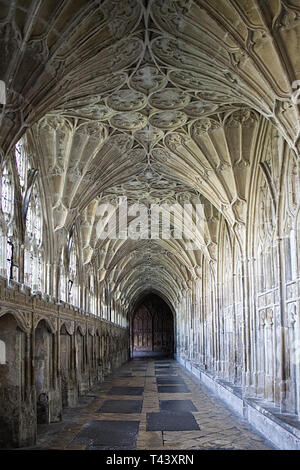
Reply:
x=158 y=101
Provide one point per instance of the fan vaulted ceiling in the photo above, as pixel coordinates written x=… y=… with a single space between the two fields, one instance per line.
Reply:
x=158 y=101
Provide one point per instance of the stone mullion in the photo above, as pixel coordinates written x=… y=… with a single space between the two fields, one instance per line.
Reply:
x=266 y=370
x=192 y=325
x=28 y=373
x=99 y=300
x=249 y=326
x=246 y=327
x=47 y=278
x=235 y=323
x=190 y=306
x=185 y=326
x=96 y=295
x=222 y=330
x=210 y=301
x=56 y=356
x=57 y=364
x=233 y=355
x=19 y=259
x=269 y=384
x=292 y=323
x=73 y=353
x=297 y=358
x=261 y=371
x=218 y=333
x=204 y=312
x=54 y=275
x=254 y=315
x=94 y=352
x=272 y=351
x=281 y=374
x=201 y=293
x=199 y=308
x=33 y=373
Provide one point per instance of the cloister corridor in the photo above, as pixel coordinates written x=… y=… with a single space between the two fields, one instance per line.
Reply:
x=150 y=403
x=149 y=225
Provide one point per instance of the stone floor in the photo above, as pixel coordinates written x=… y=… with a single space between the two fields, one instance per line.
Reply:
x=150 y=404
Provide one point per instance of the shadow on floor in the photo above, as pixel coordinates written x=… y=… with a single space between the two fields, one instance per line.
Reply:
x=149 y=354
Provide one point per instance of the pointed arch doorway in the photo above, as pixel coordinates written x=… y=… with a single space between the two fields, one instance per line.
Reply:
x=152 y=328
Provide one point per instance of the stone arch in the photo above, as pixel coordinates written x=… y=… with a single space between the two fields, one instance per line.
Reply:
x=51 y=327
x=15 y=383
x=23 y=319
x=263 y=265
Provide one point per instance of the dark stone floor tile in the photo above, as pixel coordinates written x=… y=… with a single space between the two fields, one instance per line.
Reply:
x=176 y=405
x=176 y=421
x=121 y=406
x=165 y=372
x=126 y=391
x=170 y=380
x=172 y=389
x=108 y=435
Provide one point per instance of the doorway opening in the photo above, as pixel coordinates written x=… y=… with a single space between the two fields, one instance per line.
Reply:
x=152 y=328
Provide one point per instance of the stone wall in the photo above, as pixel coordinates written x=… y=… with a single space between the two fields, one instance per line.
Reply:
x=239 y=318
x=51 y=353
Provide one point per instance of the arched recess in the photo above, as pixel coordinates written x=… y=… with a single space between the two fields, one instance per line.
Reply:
x=230 y=312
x=289 y=245
x=91 y=358
x=80 y=358
x=69 y=390
x=16 y=421
x=45 y=383
x=152 y=327
x=262 y=286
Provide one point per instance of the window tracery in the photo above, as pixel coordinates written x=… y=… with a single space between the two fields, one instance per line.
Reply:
x=6 y=219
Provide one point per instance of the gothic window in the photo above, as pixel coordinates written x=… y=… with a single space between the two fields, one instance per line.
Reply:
x=22 y=163
x=62 y=279
x=73 y=272
x=6 y=220
x=104 y=302
x=266 y=240
x=33 y=243
x=33 y=220
x=291 y=219
x=7 y=193
x=92 y=293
